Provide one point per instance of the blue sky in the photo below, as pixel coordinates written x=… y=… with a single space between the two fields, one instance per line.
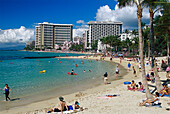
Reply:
x=16 y=13
x=19 y=17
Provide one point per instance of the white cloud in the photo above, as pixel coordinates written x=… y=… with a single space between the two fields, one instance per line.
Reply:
x=21 y=35
x=80 y=29
x=80 y=22
x=78 y=32
x=127 y=15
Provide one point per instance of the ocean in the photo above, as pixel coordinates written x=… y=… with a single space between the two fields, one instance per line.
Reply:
x=29 y=85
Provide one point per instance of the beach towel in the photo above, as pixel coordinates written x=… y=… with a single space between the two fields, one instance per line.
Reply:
x=155 y=105
x=66 y=112
x=144 y=91
x=164 y=95
x=114 y=95
x=108 y=96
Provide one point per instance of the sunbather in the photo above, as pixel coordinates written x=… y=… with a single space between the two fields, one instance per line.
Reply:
x=141 y=88
x=154 y=101
x=165 y=90
x=133 y=85
x=62 y=106
x=148 y=77
x=136 y=88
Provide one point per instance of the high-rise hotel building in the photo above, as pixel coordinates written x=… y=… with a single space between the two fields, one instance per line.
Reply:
x=100 y=29
x=47 y=35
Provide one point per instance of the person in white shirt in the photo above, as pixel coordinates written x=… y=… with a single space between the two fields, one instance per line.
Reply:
x=139 y=67
x=154 y=101
x=117 y=71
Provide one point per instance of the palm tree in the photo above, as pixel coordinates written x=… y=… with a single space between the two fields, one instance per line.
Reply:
x=140 y=6
x=165 y=25
x=154 y=6
x=147 y=39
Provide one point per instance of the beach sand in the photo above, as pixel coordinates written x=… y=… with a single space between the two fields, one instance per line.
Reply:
x=127 y=102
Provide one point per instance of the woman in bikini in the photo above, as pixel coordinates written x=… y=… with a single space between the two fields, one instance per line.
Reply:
x=141 y=88
x=165 y=90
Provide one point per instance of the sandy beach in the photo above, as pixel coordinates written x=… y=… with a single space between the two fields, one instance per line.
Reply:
x=127 y=102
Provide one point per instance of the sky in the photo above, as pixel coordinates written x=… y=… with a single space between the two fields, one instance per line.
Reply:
x=18 y=18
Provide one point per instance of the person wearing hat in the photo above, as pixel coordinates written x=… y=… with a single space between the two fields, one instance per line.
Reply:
x=77 y=106
x=62 y=106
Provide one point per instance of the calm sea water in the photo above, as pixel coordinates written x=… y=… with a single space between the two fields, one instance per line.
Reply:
x=23 y=77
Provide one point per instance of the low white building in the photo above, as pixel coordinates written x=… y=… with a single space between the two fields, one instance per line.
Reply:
x=129 y=35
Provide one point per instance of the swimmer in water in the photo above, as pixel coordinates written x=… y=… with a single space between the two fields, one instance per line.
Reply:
x=81 y=62
x=89 y=70
x=84 y=71
x=6 y=89
x=60 y=61
x=76 y=65
x=72 y=72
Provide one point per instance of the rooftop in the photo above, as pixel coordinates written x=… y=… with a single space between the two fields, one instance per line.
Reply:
x=105 y=22
x=54 y=24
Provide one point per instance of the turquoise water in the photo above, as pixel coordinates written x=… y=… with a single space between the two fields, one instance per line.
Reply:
x=23 y=77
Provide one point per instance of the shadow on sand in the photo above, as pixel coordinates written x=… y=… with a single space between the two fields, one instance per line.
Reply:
x=15 y=99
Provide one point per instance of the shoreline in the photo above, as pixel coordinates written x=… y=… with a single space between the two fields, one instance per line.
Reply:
x=127 y=101
x=68 y=94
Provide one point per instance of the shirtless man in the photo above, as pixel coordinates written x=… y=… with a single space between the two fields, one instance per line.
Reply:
x=133 y=86
x=62 y=106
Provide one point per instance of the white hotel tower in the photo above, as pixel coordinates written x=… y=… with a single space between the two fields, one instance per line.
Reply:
x=47 y=35
x=100 y=29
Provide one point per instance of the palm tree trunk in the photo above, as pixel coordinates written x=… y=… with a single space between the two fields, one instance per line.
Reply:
x=157 y=78
x=149 y=50
x=139 y=14
x=151 y=32
x=168 y=48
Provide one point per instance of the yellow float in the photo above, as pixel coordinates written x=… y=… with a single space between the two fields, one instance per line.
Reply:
x=43 y=71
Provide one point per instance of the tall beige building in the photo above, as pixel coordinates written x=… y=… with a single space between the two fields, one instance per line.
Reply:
x=47 y=35
x=100 y=29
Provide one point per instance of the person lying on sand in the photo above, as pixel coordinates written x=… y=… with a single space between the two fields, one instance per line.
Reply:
x=154 y=101
x=133 y=85
x=165 y=90
x=62 y=106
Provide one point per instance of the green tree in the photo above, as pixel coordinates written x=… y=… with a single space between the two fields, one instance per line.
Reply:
x=163 y=26
x=140 y=6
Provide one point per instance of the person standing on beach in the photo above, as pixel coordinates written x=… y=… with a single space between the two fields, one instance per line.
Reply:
x=6 y=89
x=129 y=65
x=105 y=78
x=117 y=71
x=134 y=71
x=139 y=67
